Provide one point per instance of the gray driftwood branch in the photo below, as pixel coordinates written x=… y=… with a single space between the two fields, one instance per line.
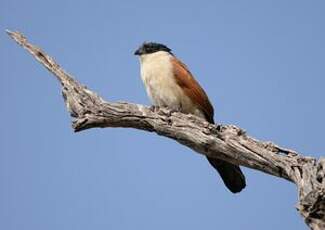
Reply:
x=225 y=142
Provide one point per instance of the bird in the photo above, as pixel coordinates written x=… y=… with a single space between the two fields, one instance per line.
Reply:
x=170 y=84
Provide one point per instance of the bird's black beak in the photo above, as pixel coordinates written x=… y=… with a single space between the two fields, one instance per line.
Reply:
x=138 y=51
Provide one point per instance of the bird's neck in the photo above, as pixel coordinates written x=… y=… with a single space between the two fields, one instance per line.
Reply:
x=154 y=57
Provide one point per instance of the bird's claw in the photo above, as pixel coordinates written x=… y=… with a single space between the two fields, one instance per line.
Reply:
x=154 y=108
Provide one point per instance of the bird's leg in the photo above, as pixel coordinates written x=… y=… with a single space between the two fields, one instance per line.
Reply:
x=175 y=110
x=154 y=108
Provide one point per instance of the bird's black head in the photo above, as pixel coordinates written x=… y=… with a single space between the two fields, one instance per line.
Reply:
x=151 y=47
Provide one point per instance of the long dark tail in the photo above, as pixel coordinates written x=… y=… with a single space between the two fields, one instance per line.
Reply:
x=231 y=174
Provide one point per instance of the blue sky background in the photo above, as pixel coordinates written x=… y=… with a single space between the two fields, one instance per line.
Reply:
x=261 y=63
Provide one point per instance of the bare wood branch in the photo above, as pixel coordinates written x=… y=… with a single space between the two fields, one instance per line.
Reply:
x=226 y=142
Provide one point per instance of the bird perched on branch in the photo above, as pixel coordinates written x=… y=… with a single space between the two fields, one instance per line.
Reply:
x=170 y=84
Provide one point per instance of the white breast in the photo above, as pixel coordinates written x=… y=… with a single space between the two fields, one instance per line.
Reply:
x=162 y=89
x=157 y=76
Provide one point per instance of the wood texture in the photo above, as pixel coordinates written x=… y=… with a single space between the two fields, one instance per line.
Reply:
x=225 y=142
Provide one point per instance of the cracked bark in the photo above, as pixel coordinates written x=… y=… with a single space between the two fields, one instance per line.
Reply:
x=225 y=142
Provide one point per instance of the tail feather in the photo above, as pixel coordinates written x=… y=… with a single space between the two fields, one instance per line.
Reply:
x=231 y=174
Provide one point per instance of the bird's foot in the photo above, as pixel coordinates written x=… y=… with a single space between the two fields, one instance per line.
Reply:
x=174 y=110
x=154 y=108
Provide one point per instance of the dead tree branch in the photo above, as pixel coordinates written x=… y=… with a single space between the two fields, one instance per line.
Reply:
x=225 y=142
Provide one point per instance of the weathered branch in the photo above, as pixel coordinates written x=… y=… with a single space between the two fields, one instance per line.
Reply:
x=226 y=142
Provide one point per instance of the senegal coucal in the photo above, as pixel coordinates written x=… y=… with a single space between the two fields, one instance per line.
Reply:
x=170 y=84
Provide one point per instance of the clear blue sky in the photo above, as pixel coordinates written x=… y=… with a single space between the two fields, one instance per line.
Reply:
x=261 y=63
